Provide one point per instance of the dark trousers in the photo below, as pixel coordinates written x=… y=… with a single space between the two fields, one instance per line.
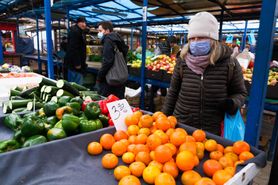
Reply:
x=106 y=90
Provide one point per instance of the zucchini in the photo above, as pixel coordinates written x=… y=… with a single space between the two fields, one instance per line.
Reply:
x=16 y=98
x=42 y=91
x=26 y=94
x=54 y=98
x=46 y=81
x=6 y=108
x=13 y=104
x=92 y=94
x=19 y=110
x=20 y=89
x=78 y=87
x=30 y=105
x=47 y=98
x=62 y=92
x=51 y=90
x=14 y=92
x=67 y=87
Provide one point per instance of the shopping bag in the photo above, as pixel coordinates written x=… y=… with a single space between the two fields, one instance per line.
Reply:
x=234 y=128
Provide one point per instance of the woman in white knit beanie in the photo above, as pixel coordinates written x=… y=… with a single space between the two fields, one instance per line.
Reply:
x=207 y=82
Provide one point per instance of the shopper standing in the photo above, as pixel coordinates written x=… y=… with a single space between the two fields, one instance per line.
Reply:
x=167 y=46
x=207 y=81
x=75 y=58
x=110 y=40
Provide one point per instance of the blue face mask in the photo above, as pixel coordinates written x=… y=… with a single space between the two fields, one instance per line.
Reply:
x=199 y=48
x=100 y=35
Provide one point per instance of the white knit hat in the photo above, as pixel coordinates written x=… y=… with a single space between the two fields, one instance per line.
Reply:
x=203 y=24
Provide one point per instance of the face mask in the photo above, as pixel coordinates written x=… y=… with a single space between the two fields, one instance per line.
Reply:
x=199 y=48
x=100 y=35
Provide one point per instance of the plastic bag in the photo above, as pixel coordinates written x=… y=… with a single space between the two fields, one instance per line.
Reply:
x=234 y=128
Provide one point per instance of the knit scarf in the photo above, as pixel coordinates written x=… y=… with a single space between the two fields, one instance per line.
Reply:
x=197 y=64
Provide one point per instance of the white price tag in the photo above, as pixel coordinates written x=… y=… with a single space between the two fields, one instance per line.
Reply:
x=118 y=111
x=243 y=62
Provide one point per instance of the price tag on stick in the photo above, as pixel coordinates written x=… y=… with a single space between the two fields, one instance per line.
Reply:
x=118 y=111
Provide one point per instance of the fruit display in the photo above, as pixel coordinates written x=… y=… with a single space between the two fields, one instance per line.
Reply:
x=272 y=77
x=6 y=68
x=155 y=151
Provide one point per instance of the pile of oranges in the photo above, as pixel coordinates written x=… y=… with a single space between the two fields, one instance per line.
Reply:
x=154 y=149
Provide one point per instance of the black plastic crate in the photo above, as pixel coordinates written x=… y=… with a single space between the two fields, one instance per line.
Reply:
x=155 y=75
x=167 y=77
x=134 y=71
x=271 y=92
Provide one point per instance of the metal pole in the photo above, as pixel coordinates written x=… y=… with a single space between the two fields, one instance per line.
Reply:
x=59 y=33
x=47 y=12
x=260 y=74
x=221 y=25
x=1 y=50
x=244 y=36
x=131 y=39
x=38 y=46
x=144 y=44
x=68 y=19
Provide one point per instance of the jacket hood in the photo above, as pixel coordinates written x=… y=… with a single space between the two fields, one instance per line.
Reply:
x=115 y=37
x=225 y=52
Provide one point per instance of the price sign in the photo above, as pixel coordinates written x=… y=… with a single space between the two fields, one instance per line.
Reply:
x=118 y=111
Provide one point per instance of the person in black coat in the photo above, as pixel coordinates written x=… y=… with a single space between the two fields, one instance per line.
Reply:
x=109 y=39
x=75 y=58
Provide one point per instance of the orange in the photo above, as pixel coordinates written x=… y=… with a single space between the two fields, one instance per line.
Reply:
x=152 y=155
x=133 y=130
x=182 y=130
x=125 y=142
x=118 y=148
x=171 y=168
x=210 y=166
x=150 y=173
x=130 y=179
x=230 y=170
x=211 y=145
x=132 y=139
x=200 y=154
x=199 y=135
x=120 y=134
x=156 y=114
x=173 y=121
x=232 y=155
x=205 y=181
x=137 y=168
x=240 y=146
x=141 y=139
x=94 y=148
x=177 y=138
x=170 y=131
x=143 y=157
x=121 y=171
x=162 y=123
x=216 y=155
x=157 y=164
x=172 y=147
x=190 y=138
x=196 y=160
x=131 y=148
x=228 y=149
x=153 y=141
x=246 y=156
x=153 y=129
x=165 y=178
x=162 y=154
x=109 y=161
x=189 y=146
x=221 y=177
x=226 y=162
x=138 y=114
x=131 y=119
x=190 y=177
x=145 y=131
x=185 y=160
x=107 y=141
x=164 y=138
x=141 y=148
x=238 y=162
x=146 y=121
x=220 y=148
x=200 y=146
x=128 y=157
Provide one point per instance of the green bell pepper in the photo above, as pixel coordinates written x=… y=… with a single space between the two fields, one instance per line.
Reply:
x=70 y=123
x=34 y=140
x=18 y=137
x=32 y=126
x=92 y=110
x=77 y=99
x=58 y=124
x=56 y=133
x=75 y=108
x=49 y=108
x=87 y=126
x=52 y=120
x=13 y=121
x=64 y=100
x=104 y=120
x=8 y=145
x=99 y=124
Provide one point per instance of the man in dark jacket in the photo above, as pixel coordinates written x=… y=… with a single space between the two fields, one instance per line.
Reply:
x=109 y=39
x=75 y=58
x=167 y=46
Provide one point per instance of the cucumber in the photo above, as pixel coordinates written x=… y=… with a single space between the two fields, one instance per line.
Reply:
x=62 y=92
x=54 y=98
x=13 y=104
x=18 y=110
x=16 y=98
x=26 y=94
x=47 y=98
x=51 y=90
x=67 y=87
x=14 y=92
x=42 y=91
x=6 y=108
x=20 y=89
x=30 y=105
x=46 y=81
x=92 y=94
x=78 y=87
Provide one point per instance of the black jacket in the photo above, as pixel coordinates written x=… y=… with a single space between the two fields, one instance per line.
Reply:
x=198 y=101
x=108 y=53
x=165 y=48
x=76 y=49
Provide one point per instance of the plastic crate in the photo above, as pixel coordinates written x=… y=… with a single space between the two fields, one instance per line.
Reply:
x=155 y=75
x=167 y=77
x=134 y=71
x=271 y=93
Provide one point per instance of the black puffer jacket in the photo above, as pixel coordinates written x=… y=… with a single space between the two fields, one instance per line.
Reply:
x=197 y=100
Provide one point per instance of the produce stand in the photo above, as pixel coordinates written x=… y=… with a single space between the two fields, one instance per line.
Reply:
x=66 y=161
